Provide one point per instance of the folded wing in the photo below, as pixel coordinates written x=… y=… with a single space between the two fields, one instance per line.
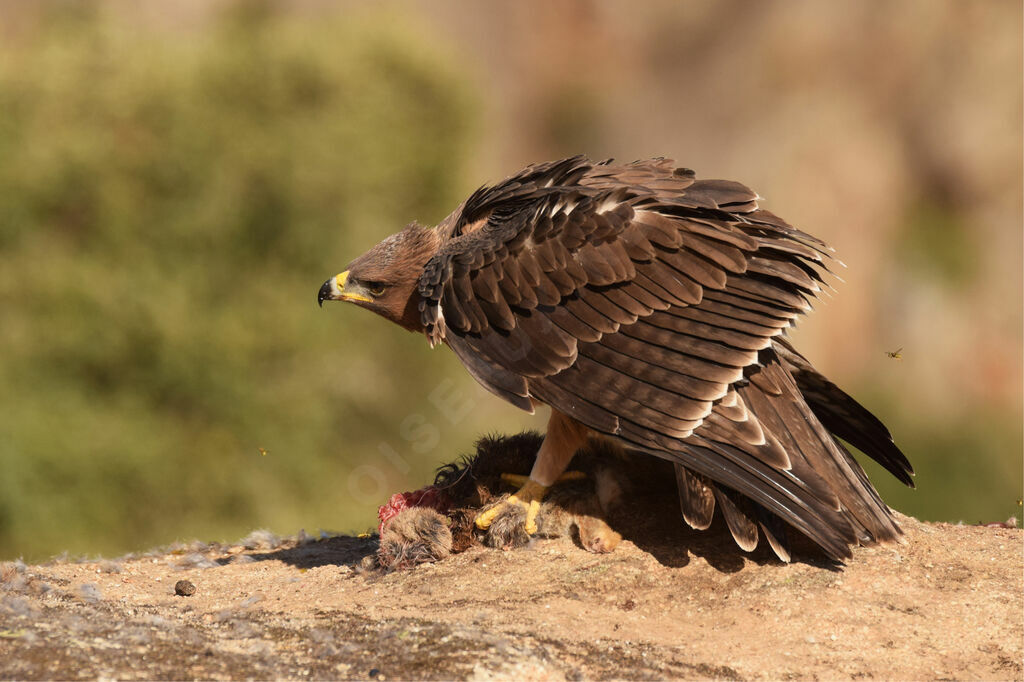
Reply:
x=650 y=306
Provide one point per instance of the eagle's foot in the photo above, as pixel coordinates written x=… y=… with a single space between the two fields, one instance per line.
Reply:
x=563 y=510
x=507 y=530
x=511 y=521
x=527 y=499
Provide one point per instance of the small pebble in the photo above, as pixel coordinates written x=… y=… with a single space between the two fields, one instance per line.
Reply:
x=256 y=598
x=90 y=593
x=184 y=588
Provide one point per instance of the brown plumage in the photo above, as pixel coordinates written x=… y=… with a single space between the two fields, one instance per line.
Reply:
x=650 y=307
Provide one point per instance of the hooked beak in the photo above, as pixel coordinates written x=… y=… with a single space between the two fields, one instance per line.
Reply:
x=338 y=288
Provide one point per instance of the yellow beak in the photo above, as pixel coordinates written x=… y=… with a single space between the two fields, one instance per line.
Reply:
x=336 y=289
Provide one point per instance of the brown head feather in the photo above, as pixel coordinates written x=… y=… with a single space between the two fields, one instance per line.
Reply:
x=393 y=268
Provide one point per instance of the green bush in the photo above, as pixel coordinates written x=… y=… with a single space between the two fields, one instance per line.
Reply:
x=169 y=205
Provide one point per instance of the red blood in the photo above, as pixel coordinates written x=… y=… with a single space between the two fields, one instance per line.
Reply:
x=430 y=496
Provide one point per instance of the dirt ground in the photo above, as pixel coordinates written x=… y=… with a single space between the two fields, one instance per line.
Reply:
x=666 y=604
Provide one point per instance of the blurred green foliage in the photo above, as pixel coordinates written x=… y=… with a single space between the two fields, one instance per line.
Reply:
x=169 y=206
x=963 y=472
x=939 y=244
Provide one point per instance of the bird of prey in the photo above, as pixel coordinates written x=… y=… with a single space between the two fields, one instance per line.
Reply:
x=649 y=307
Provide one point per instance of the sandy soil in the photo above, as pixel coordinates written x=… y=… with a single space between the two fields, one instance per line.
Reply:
x=666 y=604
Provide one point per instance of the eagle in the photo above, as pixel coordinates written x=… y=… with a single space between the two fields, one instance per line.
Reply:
x=650 y=308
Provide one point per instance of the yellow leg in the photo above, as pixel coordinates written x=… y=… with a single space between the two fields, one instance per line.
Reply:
x=564 y=437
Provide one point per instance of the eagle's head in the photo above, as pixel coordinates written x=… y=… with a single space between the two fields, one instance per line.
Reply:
x=384 y=279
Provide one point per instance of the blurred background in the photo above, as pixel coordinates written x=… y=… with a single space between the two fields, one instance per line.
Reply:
x=178 y=179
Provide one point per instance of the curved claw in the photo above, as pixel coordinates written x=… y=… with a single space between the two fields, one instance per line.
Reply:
x=529 y=496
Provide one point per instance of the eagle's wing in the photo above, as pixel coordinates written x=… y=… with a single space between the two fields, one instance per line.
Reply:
x=644 y=303
x=844 y=416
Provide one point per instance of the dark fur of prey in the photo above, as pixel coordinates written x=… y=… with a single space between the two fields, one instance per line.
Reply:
x=421 y=535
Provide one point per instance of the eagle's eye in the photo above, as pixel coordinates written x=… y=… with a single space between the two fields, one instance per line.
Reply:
x=375 y=288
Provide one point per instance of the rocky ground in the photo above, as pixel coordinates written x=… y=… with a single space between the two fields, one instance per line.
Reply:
x=665 y=604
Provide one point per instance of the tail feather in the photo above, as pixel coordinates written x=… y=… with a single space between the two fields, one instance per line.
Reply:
x=843 y=416
x=737 y=512
x=696 y=498
x=821 y=490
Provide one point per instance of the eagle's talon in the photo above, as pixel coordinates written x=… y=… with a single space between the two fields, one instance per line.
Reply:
x=528 y=497
x=508 y=528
